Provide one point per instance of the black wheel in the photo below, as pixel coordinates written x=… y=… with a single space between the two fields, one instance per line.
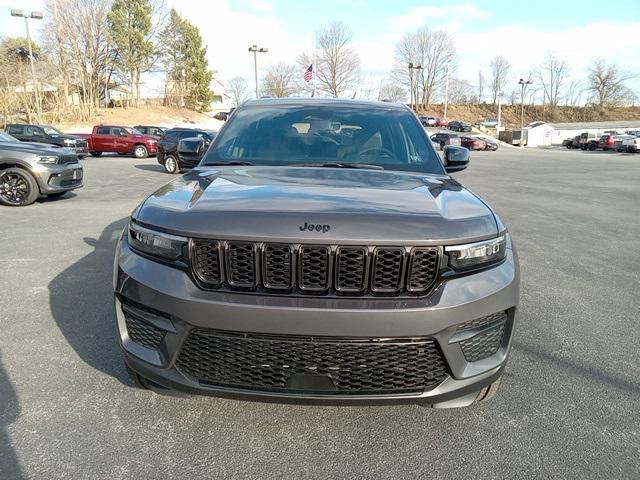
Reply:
x=138 y=380
x=592 y=147
x=56 y=194
x=171 y=164
x=140 y=151
x=17 y=187
x=95 y=154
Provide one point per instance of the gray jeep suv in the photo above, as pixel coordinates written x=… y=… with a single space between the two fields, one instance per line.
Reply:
x=319 y=251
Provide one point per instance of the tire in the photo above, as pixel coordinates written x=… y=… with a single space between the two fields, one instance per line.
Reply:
x=592 y=147
x=171 y=165
x=138 y=380
x=488 y=392
x=140 y=151
x=18 y=188
x=95 y=154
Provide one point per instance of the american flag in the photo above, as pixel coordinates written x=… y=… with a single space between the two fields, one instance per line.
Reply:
x=308 y=73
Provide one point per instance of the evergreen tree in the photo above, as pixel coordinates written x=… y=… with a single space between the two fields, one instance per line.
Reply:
x=186 y=62
x=130 y=31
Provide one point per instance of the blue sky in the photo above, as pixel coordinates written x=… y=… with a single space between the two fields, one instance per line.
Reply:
x=578 y=31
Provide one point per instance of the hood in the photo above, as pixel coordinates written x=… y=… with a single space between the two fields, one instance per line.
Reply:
x=32 y=147
x=340 y=206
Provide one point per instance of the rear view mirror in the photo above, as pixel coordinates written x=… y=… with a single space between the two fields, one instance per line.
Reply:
x=455 y=158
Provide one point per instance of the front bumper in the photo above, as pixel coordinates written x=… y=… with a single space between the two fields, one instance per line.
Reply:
x=185 y=308
x=53 y=178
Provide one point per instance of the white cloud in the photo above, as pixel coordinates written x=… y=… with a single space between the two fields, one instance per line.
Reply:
x=228 y=32
x=260 y=5
x=423 y=15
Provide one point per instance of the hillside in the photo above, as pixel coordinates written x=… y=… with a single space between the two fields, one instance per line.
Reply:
x=145 y=115
x=511 y=113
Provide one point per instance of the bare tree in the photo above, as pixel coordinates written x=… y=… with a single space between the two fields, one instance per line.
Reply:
x=481 y=85
x=460 y=91
x=574 y=92
x=392 y=93
x=606 y=83
x=434 y=52
x=80 y=36
x=281 y=80
x=552 y=75
x=337 y=66
x=499 y=74
x=238 y=90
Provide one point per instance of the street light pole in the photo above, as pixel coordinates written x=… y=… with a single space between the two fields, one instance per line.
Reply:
x=255 y=50
x=413 y=95
x=36 y=89
x=522 y=83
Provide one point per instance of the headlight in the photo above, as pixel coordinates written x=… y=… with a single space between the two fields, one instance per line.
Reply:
x=479 y=254
x=47 y=159
x=68 y=141
x=155 y=243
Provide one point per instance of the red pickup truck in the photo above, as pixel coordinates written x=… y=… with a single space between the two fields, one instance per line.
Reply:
x=121 y=140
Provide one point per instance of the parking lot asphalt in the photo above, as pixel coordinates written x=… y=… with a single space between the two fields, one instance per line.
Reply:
x=569 y=405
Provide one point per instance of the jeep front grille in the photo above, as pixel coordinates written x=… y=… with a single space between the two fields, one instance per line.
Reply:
x=314 y=269
x=358 y=366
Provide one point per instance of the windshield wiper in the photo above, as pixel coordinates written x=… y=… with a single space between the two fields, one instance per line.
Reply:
x=340 y=165
x=232 y=162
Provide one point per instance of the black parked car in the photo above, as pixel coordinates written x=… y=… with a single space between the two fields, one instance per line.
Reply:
x=168 y=155
x=492 y=145
x=150 y=130
x=48 y=135
x=459 y=126
x=443 y=138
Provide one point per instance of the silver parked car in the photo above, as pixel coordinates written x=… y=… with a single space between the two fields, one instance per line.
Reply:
x=320 y=250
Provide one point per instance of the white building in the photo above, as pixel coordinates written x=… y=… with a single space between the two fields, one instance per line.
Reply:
x=546 y=134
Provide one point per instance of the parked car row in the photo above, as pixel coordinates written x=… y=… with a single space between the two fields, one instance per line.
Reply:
x=628 y=142
x=442 y=139
x=429 y=121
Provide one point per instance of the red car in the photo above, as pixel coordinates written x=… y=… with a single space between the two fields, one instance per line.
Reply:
x=605 y=142
x=442 y=122
x=120 y=140
x=473 y=143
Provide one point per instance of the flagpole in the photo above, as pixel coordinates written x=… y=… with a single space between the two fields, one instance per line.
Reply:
x=314 y=66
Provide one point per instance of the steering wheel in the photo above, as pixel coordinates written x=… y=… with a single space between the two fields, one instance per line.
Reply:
x=382 y=150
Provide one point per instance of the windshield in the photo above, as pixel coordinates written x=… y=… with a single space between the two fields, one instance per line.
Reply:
x=5 y=137
x=51 y=131
x=311 y=134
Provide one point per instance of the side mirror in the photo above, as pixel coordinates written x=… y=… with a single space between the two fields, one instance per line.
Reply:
x=191 y=146
x=455 y=158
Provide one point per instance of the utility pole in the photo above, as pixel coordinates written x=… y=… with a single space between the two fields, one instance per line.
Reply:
x=499 y=112
x=256 y=50
x=522 y=83
x=36 y=89
x=446 y=91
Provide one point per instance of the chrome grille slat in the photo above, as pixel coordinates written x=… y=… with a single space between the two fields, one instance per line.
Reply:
x=301 y=269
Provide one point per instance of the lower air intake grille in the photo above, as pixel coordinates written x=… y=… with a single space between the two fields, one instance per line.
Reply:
x=354 y=366
x=484 y=344
x=142 y=332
